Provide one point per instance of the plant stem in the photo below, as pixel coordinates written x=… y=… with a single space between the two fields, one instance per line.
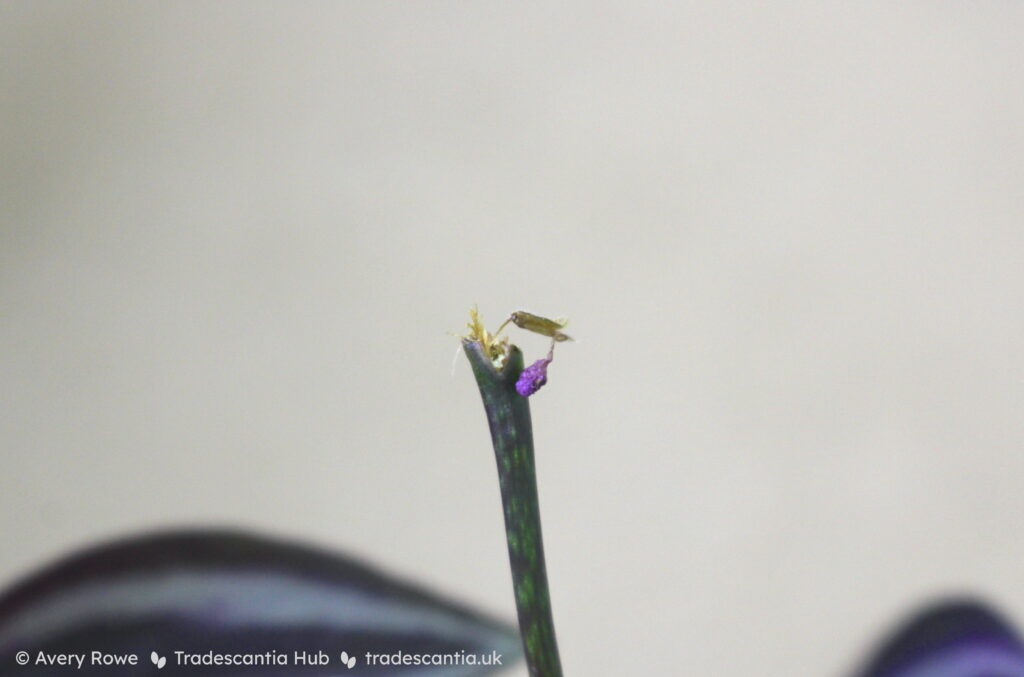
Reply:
x=508 y=414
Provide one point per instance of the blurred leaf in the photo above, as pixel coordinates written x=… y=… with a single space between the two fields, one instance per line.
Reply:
x=233 y=593
x=961 y=638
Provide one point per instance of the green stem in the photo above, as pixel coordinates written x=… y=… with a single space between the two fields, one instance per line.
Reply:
x=508 y=414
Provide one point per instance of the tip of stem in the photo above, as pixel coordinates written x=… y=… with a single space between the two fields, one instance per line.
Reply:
x=494 y=346
x=480 y=359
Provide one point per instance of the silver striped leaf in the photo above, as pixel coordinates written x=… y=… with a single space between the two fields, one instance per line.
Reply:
x=179 y=600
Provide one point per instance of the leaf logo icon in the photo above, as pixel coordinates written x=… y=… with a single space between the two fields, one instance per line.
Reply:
x=158 y=660
x=349 y=661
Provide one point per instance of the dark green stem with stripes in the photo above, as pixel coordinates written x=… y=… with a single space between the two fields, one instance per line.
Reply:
x=508 y=414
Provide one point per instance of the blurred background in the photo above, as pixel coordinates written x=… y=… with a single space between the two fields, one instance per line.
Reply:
x=235 y=240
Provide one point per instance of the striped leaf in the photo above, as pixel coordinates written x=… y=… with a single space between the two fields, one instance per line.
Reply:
x=235 y=595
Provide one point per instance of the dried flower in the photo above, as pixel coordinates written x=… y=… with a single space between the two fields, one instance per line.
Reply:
x=533 y=377
x=497 y=347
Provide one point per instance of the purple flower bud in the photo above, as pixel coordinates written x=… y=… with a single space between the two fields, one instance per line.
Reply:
x=533 y=377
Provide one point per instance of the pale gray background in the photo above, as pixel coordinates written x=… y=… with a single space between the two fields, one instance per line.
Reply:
x=789 y=237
